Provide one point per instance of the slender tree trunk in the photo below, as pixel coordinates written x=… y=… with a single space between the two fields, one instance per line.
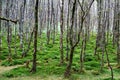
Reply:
x=118 y=30
x=72 y=47
x=48 y=23
x=15 y=48
x=109 y=65
x=29 y=43
x=68 y=69
x=81 y=57
x=21 y=24
x=8 y=31
x=98 y=39
x=35 y=37
x=61 y=33
x=0 y=25
x=67 y=36
x=54 y=25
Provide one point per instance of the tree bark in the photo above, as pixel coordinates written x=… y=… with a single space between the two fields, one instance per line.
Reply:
x=72 y=47
x=48 y=23
x=67 y=36
x=0 y=25
x=61 y=33
x=35 y=37
x=21 y=24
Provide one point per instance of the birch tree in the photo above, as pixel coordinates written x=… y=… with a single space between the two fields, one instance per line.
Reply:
x=61 y=33
x=0 y=25
x=21 y=24
x=35 y=37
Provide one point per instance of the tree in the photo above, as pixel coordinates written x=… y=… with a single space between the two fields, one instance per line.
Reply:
x=0 y=24
x=21 y=23
x=61 y=33
x=35 y=37
x=67 y=36
x=53 y=21
x=48 y=23
x=117 y=25
x=71 y=37
x=72 y=47
x=8 y=30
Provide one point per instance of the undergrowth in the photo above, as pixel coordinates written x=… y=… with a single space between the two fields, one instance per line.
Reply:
x=48 y=57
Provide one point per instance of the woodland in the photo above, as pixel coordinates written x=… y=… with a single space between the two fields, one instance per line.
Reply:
x=59 y=39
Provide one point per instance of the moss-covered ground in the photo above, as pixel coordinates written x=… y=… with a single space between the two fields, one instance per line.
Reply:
x=48 y=58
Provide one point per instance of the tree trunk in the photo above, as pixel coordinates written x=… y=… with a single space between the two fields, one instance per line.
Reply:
x=48 y=24
x=0 y=25
x=61 y=33
x=21 y=24
x=67 y=36
x=35 y=37
x=72 y=47
x=68 y=69
x=8 y=31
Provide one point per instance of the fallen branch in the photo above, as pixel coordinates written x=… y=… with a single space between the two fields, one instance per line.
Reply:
x=7 y=19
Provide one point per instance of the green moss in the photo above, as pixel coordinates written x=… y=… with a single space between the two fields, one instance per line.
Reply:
x=92 y=64
x=13 y=62
x=95 y=72
x=48 y=59
x=88 y=67
x=2 y=57
x=108 y=78
x=21 y=71
x=6 y=63
x=89 y=57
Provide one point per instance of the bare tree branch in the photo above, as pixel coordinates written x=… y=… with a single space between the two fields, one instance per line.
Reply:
x=7 y=19
x=81 y=7
x=88 y=9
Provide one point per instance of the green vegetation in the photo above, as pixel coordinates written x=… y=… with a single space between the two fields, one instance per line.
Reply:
x=48 y=57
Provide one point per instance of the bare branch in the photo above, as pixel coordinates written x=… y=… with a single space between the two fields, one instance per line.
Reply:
x=7 y=19
x=88 y=9
x=81 y=7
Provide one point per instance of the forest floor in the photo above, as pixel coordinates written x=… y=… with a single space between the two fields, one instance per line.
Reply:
x=4 y=69
x=48 y=58
x=8 y=68
x=87 y=76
